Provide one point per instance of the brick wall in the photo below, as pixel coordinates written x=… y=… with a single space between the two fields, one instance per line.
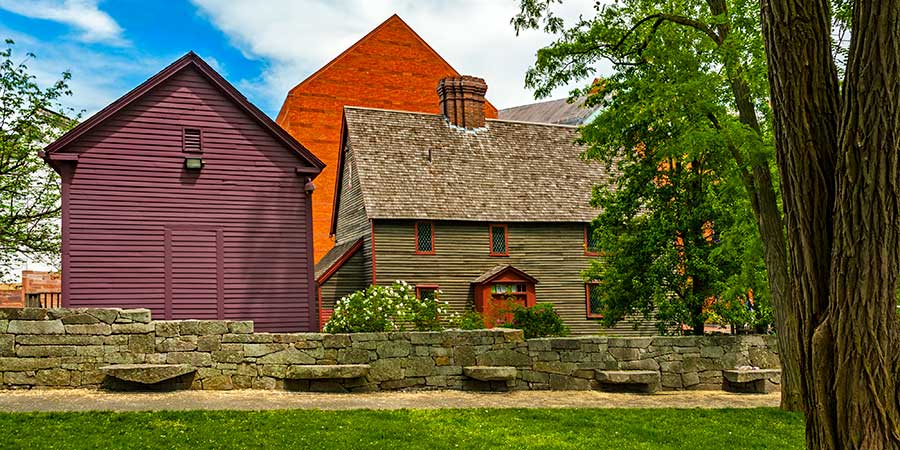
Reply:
x=390 y=68
x=35 y=281
x=11 y=296
x=66 y=348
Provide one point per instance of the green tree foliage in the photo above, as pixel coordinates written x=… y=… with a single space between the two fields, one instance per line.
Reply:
x=29 y=190
x=668 y=122
x=674 y=225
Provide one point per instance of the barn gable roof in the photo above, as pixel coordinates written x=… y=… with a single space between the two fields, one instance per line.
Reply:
x=418 y=166
x=191 y=59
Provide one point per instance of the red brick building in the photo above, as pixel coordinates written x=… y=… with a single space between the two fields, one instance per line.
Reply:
x=390 y=68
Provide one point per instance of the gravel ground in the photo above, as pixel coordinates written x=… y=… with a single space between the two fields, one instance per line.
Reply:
x=89 y=400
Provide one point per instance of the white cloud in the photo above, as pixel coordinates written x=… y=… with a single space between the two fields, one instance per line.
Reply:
x=98 y=77
x=296 y=38
x=94 y=25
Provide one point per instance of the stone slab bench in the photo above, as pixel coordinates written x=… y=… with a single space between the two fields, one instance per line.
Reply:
x=326 y=372
x=749 y=380
x=491 y=373
x=147 y=373
x=646 y=381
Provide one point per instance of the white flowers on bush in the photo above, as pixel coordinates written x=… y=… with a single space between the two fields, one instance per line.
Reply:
x=386 y=308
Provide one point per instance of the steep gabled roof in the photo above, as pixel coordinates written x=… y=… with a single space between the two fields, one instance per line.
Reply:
x=394 y=18
x=191 y=59
x=496 y=271
x=417 y=166
x=559 y=111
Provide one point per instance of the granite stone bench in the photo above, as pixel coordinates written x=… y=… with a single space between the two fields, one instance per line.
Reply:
x=646 y=381
x=326 y=371
x=491 y=373
x=147 y=373
x=756 y=381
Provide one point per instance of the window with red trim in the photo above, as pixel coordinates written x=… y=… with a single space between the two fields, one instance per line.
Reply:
x=593 y=300
x=591 y=241
x=499 y=240
x=424 y=238
x=426 y=291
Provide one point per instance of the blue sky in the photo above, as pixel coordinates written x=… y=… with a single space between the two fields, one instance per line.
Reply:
x=264 y=47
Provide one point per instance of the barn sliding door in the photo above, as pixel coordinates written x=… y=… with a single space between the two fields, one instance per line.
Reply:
x=195 y=273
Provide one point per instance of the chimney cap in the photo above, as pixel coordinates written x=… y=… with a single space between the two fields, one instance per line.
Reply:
x=462 y=100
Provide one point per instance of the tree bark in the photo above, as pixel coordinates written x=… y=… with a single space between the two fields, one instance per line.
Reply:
x=840 y=170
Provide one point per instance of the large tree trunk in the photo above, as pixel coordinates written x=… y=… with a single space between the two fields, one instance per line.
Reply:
x=866 y=248
x=841 y=188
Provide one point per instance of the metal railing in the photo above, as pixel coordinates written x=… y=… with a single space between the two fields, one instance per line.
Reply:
x=43 y=300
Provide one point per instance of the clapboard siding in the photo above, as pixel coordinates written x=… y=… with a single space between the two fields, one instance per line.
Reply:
x=551 y=252
x=351 y=218
x=230 y=241
x=350 y=277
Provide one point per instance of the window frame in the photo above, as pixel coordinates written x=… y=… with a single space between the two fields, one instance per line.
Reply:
x=416 y=237
x=421 y=287
x=587 y=300
x=587 y=242
x=505 y=239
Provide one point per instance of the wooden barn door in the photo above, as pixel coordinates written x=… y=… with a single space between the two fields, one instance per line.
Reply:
x=195 y=273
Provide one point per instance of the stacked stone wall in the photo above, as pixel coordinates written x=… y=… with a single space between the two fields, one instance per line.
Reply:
x=41 y=348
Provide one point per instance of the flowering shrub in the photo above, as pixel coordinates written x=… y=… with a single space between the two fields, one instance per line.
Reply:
x=385 y=308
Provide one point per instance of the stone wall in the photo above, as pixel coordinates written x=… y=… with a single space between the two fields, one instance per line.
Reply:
x=65 y=348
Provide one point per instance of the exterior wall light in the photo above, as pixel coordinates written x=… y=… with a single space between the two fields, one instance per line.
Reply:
x=193 y=163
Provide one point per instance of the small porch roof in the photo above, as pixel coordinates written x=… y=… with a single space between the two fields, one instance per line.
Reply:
x=498 y=271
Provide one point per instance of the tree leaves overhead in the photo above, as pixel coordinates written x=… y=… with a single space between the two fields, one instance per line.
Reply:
x=30 y=119
x=674 y=226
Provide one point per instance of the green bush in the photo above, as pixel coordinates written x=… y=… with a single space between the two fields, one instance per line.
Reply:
x=385 y=308
x=538 y=321
x=423 y=314
x=471 y=320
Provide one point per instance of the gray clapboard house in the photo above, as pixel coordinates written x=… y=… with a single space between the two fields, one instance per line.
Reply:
x=483 y=210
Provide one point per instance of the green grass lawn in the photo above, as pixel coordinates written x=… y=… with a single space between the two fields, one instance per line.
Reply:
x=694 y=429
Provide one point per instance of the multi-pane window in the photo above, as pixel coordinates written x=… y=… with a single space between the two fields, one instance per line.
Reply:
x=425 y=238
x=593 y=300
x=426 y=291
x=499 y=240
x=508 y=288
x=591 y=242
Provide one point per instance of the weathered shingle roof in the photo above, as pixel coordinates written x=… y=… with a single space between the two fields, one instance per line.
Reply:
x=338 y=254
x=417 y=166
x=554 y=111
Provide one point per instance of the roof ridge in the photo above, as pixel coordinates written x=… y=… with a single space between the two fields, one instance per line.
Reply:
x=526 y=105
x=419 y=113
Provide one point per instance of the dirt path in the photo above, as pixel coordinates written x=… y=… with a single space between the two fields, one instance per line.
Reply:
x=88 y=400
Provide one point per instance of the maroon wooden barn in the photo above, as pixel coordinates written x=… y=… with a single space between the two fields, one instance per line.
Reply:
x=184 y=198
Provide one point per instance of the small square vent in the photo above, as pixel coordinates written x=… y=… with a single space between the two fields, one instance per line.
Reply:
x=192 y=140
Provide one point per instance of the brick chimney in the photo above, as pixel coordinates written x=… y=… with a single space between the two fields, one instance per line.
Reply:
x=462 y=100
